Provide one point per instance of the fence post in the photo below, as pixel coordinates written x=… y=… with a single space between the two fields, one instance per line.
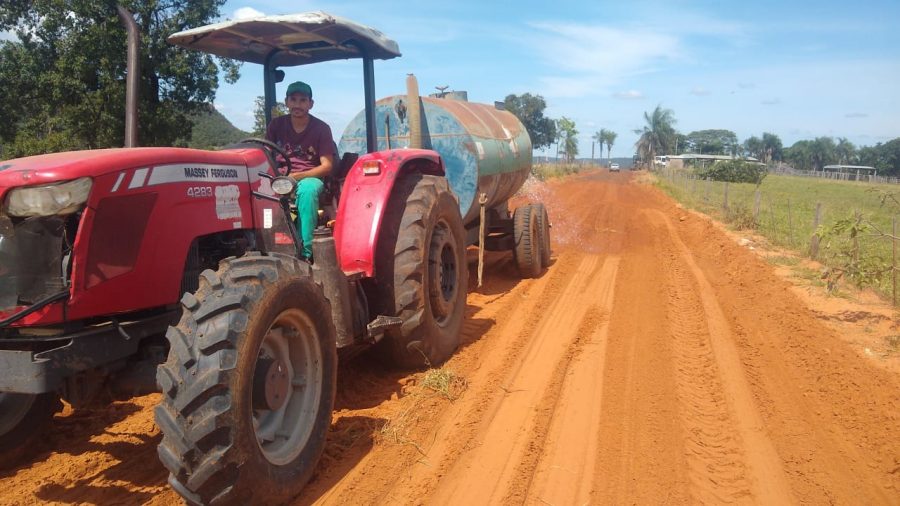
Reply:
x=725 y=200
x=772 y=219
x=814 y=241
x=894 y=256
x=706 y=191
x=790 y=224
x=757 y=197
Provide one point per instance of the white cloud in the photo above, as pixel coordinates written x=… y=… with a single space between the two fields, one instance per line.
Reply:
x=700 y=91
x=246 y=13
x=601 y=51
x=629 y=95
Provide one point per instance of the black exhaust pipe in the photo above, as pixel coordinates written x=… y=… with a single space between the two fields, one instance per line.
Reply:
x=134 y=70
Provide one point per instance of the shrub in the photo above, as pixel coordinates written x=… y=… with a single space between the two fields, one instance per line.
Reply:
x=734 y=171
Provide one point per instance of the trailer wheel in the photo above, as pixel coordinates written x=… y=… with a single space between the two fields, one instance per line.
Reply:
x=248 y=387
x=543 y=224
x=22 y=420
x=527 y=251
x=422 y=272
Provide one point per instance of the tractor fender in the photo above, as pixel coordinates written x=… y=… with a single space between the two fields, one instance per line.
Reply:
x=363 y=200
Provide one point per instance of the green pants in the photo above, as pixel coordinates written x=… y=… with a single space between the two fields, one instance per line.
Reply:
x=308 y=191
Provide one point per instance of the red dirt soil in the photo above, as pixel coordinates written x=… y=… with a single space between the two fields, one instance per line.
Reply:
x=655 y=362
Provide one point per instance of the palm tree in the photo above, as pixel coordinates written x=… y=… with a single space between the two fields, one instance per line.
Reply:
x=610 y=140
x=599 y=139
x=658 y=134
x=845 y=151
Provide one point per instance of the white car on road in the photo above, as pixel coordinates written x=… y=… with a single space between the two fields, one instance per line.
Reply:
x=614 y=167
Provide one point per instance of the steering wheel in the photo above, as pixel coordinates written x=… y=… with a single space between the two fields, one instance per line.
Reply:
x=271 y=149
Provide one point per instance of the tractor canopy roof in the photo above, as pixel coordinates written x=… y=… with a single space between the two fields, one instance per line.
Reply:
x=289 y=40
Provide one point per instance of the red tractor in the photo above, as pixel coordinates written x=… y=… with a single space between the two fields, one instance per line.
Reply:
x=146 y=269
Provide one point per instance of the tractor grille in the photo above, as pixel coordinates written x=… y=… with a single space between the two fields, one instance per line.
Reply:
x=31 y=259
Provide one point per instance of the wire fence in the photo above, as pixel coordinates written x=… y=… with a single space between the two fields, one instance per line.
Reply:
x=845 y=226
x=848 y=175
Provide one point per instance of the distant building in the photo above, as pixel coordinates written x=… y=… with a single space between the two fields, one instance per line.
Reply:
x=857 y=170
x=680 y=161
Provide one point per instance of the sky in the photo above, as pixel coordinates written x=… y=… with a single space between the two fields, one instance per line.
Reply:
x=799 y=69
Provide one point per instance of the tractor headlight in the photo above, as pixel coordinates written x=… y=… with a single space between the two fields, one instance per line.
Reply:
x=283 y=185
x=50 y=200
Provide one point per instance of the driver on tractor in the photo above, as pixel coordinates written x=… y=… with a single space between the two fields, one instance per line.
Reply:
x=308 y=141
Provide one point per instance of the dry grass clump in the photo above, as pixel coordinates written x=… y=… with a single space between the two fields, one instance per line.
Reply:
x=400 y=429
x=445 y=382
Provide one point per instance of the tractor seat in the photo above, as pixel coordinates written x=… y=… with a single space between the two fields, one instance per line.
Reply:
x=330 y=196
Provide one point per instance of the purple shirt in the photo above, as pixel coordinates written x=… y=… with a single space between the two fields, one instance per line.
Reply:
x=305 y=148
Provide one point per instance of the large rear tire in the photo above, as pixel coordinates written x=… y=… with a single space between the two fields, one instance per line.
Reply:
x=527 y=251
x=249 y=384
x=543 y=224
x=23 y=418
x=422 y=272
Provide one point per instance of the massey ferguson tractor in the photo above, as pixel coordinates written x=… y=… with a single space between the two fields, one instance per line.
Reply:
x=178 y=270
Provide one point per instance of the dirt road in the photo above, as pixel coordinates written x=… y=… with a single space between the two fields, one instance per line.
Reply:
x=655 y=362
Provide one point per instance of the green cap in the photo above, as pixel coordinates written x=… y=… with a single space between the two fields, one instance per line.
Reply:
x=299 y=87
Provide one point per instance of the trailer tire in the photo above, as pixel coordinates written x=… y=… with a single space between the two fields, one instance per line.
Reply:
x=527 y=250
x=543 y=224
x=249 y=383
x=421 y=272
x=23 y=418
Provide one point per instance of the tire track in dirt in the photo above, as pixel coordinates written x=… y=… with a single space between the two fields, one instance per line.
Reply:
x=489 y=471
x=729 y=452
x=567 y=463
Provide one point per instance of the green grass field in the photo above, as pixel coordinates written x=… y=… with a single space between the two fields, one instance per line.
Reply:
x=786 y=214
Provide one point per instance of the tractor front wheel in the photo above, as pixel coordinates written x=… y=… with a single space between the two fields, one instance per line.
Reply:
x=22 y=419
x=249 y=384
x=422 y=272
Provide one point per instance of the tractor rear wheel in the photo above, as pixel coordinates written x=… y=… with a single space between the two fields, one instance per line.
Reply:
x=22 y=419
x=527 y=251
x=249 y=384
x=422 y=272
x=543 y=224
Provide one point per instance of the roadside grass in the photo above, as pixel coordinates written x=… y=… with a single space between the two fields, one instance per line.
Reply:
x=545 y=171
x=786 y=215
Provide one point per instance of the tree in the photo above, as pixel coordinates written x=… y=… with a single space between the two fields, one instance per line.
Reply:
x=713 y=142
x=883 y=156
x=845 y=151
x=64 y=78
x=568 y=133
x=799 y=155
x=610 y=140
x=259 y=115
x=658 y=134
x=772 y=149
x=822 y=152
x=530 y=111
x=753 y=146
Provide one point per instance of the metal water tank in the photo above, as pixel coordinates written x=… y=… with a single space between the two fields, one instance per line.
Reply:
x=484 y=149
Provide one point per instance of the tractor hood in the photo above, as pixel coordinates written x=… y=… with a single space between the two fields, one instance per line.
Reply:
x=56 y=167
x=289 y=40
